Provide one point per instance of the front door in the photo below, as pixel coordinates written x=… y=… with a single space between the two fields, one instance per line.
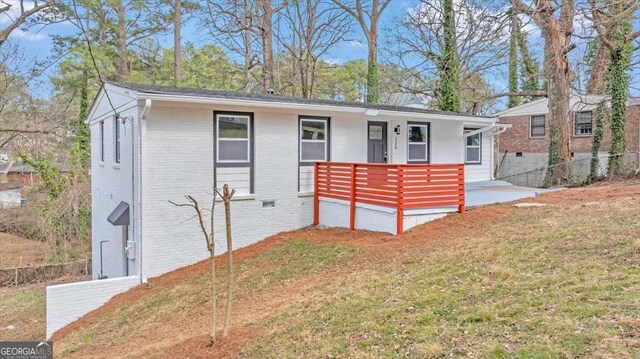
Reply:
x=377 y=142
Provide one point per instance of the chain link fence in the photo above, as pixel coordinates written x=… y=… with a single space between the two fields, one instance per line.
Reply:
x=519 y=174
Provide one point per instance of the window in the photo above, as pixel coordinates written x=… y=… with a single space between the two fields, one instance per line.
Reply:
x=536 y=124
x=582 y=124
x=473 y=147
x=418 y=142
x=233 y=138
x=116 y=136
x=101 y=141
x=314 y=135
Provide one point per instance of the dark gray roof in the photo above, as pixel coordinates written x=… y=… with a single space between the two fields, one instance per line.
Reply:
x=182 y=91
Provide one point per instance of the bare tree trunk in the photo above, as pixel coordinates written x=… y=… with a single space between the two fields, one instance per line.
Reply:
x=226 y=197
x=557 y=34
x=177 y=46
x=121 y=44
x=212 y=254
x=597 y=82
x=247 y=46
x=266 y=33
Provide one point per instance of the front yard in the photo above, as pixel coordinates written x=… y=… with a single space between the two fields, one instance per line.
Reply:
x=559 y=281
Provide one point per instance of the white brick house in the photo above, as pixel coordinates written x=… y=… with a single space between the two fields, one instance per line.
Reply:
x=150 y=145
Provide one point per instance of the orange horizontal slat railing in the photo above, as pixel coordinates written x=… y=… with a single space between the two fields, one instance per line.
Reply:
x=403 y=187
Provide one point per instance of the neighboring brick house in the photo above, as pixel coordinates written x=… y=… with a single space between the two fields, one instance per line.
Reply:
x=523 y=149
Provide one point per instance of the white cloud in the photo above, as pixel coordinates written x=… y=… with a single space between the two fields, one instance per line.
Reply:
x=26 y=35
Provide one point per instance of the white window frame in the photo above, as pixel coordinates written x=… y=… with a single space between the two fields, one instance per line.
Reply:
x=479 y=147
x=325 y=141
x=218 y=138
x=575 y=124
x=117 y=142
x=544 y=126
x=101 y=126
x=425 y=144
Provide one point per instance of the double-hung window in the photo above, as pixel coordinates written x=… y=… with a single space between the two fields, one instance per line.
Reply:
x=314 y=140
x=536 y=126
x=233 y=142
x=582 y=124
x=101 y=141
x=116 y=136
x=418 y=142
x=473 y=147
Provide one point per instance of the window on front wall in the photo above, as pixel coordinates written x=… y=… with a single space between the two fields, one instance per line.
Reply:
x=418 y=142
x=116 y=136
x=314 y=135
x=473 y=147
x=582 y=123
x=233 y=138
x=536 y=124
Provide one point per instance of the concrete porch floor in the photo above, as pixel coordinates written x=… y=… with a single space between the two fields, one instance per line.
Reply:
x=491 y=192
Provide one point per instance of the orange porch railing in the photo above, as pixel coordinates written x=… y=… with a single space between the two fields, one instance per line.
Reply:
x=402 y=187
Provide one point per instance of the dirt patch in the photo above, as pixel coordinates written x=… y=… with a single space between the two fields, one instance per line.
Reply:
x=597 y=192
x=200 y=347
x=20 y=252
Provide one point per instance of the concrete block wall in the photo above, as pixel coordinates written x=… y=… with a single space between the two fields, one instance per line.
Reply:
x=66 y=303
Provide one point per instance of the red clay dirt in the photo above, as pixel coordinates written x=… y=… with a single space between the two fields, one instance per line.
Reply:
x=382 y=247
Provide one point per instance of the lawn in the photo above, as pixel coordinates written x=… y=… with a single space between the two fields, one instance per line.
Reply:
x=559 y=281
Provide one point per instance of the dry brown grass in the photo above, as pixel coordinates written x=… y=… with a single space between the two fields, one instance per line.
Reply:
x=21 y=252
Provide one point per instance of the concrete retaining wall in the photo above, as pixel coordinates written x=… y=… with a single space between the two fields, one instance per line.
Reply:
x=68 y=302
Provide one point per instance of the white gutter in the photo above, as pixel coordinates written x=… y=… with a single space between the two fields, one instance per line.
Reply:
x=501 y=127
x=306 y=107
x=143 y=117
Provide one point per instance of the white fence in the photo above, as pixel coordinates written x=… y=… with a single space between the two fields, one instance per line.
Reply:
x=68 y=302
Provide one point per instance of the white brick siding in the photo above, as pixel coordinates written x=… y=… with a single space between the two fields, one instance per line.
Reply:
x=68 y=302
x=111 y=183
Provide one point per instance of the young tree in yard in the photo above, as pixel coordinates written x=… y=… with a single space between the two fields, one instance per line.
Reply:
x=613 y=22
x=208 y=235
x=226 y=195
x=368 y=19
x=556 y=24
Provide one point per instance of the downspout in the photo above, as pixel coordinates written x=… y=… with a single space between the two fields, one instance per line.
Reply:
x=143 y=116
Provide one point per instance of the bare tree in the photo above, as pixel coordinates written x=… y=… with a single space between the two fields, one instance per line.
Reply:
x=232 y=25
x=482 y=46
x=26 y=10
x=208 y=235
x=556 y=24
x=369 y=20
x=226 y=195
x=310 y=29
